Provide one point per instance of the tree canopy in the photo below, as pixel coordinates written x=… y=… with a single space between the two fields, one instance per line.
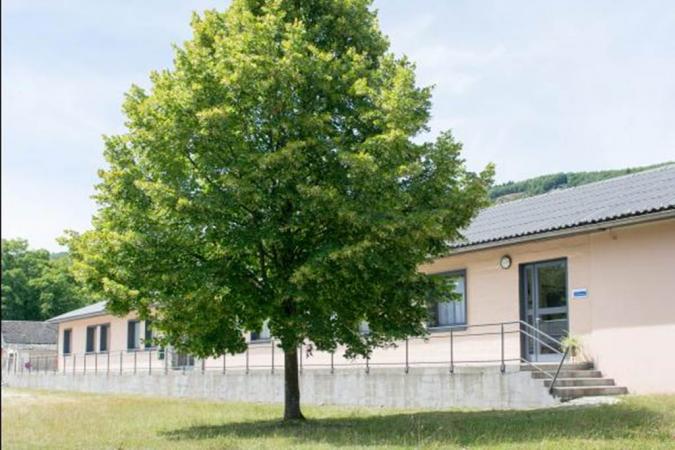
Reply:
x=35 y=284
x=271 y=177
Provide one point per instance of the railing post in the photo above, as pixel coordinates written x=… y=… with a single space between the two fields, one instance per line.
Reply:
x=247 y=348
x=135 y=357
x=332 y=363
x=503 y=368
x=452 y=351
x=407 y=358
x=272 y=340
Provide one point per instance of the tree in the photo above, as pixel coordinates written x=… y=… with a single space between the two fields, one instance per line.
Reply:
x=271 y=177
x=20 y=299
x=35 y=284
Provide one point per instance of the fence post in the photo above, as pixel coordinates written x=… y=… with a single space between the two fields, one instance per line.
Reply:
x=121 y=362
x=166 y=360
x=64 y=364
x=247 y=359
x=150 y=361
x=272 y=340
x=95 y=363
x=203 y=365
x=224 y=362
x=367 y=365
x=452 y=351
x=74 y=358
x=135 y=357
x=332 y=364
x=85 y=364
x=503 y=368
x=407 y=362
x=107 y=364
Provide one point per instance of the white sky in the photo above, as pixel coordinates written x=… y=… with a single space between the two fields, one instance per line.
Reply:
x=535 y=87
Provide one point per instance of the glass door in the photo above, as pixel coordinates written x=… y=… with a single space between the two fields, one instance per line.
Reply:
x=544 y=306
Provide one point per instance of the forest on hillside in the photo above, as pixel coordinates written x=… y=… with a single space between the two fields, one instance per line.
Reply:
x=513 y=190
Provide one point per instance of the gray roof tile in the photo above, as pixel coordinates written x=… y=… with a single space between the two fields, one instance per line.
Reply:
x=615 y=198
x=28 y=332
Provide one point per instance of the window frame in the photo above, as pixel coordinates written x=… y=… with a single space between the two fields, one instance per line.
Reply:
x=69 y=341
x=137 y=338
x=86 y=339
x=147 y=326
x=459 y=325
x=260 y=340
x=107 y=340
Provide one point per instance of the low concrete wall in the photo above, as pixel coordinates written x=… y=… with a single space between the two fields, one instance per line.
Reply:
x=435 y=388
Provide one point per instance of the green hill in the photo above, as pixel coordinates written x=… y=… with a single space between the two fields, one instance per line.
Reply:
x=539 y=185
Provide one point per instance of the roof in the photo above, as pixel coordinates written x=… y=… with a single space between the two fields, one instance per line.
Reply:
x=95 y=309
x=631 y=195
x=28 y=332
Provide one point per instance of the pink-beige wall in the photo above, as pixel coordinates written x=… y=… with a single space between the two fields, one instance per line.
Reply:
x=627 y=321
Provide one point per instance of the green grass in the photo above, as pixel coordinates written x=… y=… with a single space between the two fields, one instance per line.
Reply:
x=38 y=419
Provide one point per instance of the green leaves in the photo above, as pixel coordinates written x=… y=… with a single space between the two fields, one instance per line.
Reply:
x=271 y=176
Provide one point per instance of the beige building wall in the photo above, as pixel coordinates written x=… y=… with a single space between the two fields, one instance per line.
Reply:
x=627 y=321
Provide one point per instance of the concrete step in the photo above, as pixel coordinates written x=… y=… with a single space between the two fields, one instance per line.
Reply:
x=568 y=393
x=552 y=367
x=569 y=374
x=571 y=382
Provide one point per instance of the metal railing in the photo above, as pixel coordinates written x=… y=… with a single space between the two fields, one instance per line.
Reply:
x=492 y=344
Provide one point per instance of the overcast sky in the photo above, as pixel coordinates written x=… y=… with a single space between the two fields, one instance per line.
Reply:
x=535 y=87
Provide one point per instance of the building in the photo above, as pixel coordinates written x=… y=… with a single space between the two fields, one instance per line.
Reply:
x=595 y=262
x=28 y=342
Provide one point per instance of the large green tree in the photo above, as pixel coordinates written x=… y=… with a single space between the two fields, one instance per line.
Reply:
x=271 y=176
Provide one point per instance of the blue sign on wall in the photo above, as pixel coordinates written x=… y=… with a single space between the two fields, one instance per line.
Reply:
x=580 y=293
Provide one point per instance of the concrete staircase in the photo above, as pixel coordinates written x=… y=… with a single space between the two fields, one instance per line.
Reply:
x=575 y=380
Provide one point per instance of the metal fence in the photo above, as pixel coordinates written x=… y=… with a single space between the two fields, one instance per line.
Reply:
x=483 y=344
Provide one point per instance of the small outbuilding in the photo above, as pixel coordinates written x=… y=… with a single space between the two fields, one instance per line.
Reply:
x=24 y=341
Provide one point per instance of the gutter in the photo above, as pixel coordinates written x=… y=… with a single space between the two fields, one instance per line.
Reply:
x=566 y=232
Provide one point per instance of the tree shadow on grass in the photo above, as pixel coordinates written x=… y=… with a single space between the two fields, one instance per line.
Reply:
x=461 y=428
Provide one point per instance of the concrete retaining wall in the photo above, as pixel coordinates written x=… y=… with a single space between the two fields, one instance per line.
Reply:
x=430 y=387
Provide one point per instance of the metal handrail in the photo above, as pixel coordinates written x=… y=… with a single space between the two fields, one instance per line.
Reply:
x=557 y=372
x=522 y=322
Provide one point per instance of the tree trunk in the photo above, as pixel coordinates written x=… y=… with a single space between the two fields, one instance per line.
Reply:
x=292 y=385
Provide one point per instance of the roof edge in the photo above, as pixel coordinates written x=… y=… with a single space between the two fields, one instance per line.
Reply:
x=635 y=219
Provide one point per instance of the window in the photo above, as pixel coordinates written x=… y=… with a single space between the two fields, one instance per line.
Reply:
x=104 y=338
x=364 y=327
x=133 y=335
x=91 y=339
x=147 y=340
x=445 y=313
x=66 y=341
x=262 y=335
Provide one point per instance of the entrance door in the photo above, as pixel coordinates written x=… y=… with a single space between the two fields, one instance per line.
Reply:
x=544 y=306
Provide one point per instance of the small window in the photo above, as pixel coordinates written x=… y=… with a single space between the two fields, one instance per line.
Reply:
x=446 y=313
x=104 y=338
x=133 y=335
x=91 y=339
x=66 y=341
x=262 y=335
x=364 y=327
x=147 y=340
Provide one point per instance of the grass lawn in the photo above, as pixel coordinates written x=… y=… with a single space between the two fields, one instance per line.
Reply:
x=39 y=419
